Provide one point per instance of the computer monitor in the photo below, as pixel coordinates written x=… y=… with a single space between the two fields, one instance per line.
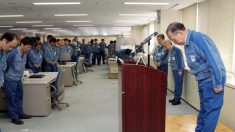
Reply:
x=65 y=57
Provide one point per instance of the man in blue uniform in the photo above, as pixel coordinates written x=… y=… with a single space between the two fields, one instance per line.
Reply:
x=125 y=54
x=111 y=49
x=13 y=80
x=160 y=55
x=204 y=61
x=87 y=53
x=102 y=50
x=97 y=50
x=177 y=67
x=7 y=43
x=50 y=56
x=83 y=44
x=35 y=57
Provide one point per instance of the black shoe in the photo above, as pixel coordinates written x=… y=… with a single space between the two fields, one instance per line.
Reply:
x=25 y=117
x=176 y=102
x=171 y=100
x=17 y=121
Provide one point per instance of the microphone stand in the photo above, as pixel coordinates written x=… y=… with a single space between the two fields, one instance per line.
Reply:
x=147 y=40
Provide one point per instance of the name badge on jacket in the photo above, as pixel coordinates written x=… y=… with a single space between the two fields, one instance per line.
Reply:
x=192 y=57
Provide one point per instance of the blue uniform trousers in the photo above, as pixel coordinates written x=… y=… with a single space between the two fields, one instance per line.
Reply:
x=210 y=107
x=163 y=68
x=50 y=68
x=14 y=94
x=102 y=55
x=96 y=56
x=178 y=84
x=36 y=70
x=74 y=58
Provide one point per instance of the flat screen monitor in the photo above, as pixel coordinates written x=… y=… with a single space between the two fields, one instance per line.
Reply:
x=65 y=57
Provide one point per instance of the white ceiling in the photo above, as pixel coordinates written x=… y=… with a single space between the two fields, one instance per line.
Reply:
x=102 y=13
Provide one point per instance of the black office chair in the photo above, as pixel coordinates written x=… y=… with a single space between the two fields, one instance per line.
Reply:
x=86 y=65
x=57 y=91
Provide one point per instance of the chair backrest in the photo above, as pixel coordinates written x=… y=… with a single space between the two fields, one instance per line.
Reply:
x=59 y=82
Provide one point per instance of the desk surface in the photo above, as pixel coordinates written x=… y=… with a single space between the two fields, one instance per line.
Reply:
x=50 y=76
x=68 y=64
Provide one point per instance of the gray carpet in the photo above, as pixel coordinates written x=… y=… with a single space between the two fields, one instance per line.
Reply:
x=93 y=108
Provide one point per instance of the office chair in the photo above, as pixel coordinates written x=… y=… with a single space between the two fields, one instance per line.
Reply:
x=86 y=65
x=57 y=91
x=76 y=72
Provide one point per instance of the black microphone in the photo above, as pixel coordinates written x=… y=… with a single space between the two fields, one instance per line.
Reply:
x=145 y=41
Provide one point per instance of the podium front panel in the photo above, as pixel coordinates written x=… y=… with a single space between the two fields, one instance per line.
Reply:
x=143 y=99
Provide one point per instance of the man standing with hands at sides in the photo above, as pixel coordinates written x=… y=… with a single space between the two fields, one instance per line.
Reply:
x=160 y=55
x=13 y=81
x=177 y=67
x=205 y=63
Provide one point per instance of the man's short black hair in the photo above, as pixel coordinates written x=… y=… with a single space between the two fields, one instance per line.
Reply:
x=27 y=41
x=174 y=27
x=52 y=40
x=161 y=36
x=69 y=41
x=9 y=36
x=128 y=51
x=38 y=38
x=49 y=36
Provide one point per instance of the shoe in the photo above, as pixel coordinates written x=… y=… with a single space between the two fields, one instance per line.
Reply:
x=171 y=100
x=17 y=121
x=176 y=102
x=25 y=117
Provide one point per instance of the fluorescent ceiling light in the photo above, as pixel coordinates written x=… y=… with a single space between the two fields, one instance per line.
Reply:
x=71 y=15
x=11 y=15
x=6 y=26
x=40 y=32
x=57 y=3
x=78 y=21
x=145 y=3
x=83 y=25
x=42 y=25
x=28 y=21
x=52 y=28
x=60 y=30
x=128 y=21
x=135 y=14
x=18 y=29
x=30 y=31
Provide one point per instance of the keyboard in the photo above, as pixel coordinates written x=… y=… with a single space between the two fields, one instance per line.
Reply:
x=37 y=76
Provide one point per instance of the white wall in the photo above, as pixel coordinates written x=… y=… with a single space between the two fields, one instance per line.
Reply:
x=221 y=27
x=203 y=17
x=137 y=34
x=189 y=16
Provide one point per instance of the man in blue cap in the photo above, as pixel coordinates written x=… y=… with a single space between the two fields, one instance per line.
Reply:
x=205 y=63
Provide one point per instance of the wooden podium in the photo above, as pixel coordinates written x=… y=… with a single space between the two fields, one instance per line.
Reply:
x=142 y=98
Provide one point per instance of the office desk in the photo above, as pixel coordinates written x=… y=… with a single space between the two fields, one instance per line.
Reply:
x=37 y=94
x=70 y=78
